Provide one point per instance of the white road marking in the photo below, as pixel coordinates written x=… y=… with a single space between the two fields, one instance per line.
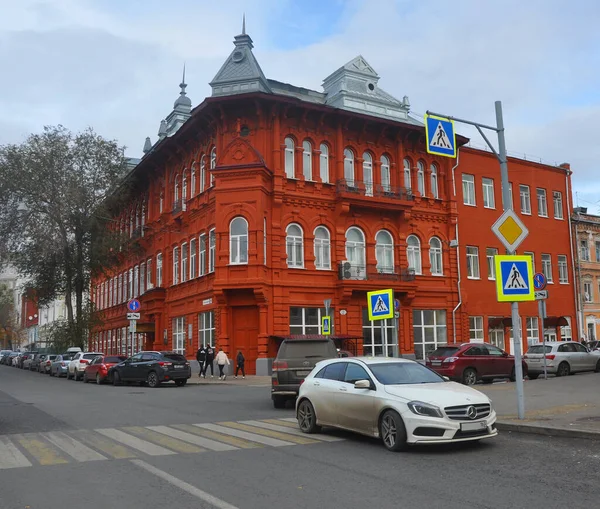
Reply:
x=10 y=456
x=134 y=442
x=72 y=447
x=207 y=443
x=289 y=419
x=273 y=442
x=292 y=431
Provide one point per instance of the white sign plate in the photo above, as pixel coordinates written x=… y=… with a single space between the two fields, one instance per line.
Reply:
x=541 y=295
x=133 y=316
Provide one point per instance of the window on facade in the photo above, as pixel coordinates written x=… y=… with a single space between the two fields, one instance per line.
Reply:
x=429 y=330
x=563 y=270
x=265 y=240
x=159 y=277
x=558 y=206
x=490 y=253
x=238 y=241
x=149 y=273
x=489 y=201
x=476 y=329
x=193 y=180
x=212 y=250
x=306 y=320
x=324 y=163
x=407 y=174
x=542 y=202
x=355 y=251
x=468 y=186
x=375 y=341
x=473 y=262
x=142 y=278
x=130 y=224
x=184 y=262
x=597 y=251
x=161 y=202
x=120 y=288
x=421 y=177
x=289 y=158
x=413 y=253
x=384 y=252
x=307 y=160
x=176 y=192
x=213 y=165
x=584 y=250
x=588 y=292
x=322 y=248
x=202 y=255
x=110 y=293
x=294 y=246
x=565 y=330
x=525 y=199
x=184 y=188
x=349 y=167
x=175 y=265
x=179 y=335
x=532 y=256
x=435 y=256
x=434 y=182
x=547 y=267
x=533 y=332
x=385 y=174
x=368 y=173
x=130 y=283
x=206 y=328
x=496 y=334
x=193 y=256
x=202 y=173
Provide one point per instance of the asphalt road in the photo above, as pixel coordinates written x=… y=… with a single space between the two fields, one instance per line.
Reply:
x=66 y=444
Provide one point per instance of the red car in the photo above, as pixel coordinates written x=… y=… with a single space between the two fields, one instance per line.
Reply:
x=470 y=362
x=98 y=368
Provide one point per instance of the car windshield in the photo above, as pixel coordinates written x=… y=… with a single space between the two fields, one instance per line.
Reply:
x=401 y=373
x=174 y=357
x=305 y=349
x=539 y=349
x=67 y=357
x=444 y=351
x=114 y=359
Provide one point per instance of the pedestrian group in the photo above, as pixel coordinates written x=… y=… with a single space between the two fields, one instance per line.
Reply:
x=206 y=357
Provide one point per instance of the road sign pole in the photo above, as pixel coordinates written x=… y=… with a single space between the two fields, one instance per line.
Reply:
x=542 y=316
x=514 y=307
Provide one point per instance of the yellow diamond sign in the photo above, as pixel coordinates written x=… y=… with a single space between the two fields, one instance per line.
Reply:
x=510 y=230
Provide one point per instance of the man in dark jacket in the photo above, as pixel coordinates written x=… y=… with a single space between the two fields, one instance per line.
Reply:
x=210 y=357
x=201 y=358
x=240 y=360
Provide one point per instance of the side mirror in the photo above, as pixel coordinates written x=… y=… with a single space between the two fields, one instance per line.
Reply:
x=446 y=379
x=362 y=384
x=504 y=354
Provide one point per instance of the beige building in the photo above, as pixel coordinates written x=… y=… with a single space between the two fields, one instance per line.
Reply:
x=587 y=238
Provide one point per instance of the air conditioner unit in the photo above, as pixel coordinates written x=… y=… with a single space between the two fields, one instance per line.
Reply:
x=454 y=243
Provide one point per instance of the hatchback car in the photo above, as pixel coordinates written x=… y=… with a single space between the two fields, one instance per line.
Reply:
x=398 y=400
x=25 y=360
x=152 y=368
x=79 y=363
x=60 y=365
x=562 y=358
x=46 y=364
x=4 y=355
x=97 y=370
x=34 y=365
x=470 y=362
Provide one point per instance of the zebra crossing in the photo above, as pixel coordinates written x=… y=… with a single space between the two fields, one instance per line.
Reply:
x=131 y=442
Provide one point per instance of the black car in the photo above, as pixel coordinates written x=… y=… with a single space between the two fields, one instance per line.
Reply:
x=152 y=368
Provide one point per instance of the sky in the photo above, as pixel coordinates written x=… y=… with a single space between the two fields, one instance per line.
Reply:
x=115 y=65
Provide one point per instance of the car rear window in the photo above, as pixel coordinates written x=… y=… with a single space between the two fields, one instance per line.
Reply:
x=90 y=356
x=444 y=351
x=174 y=357
x=306 y=349
x=539 y=349
x=114 y=358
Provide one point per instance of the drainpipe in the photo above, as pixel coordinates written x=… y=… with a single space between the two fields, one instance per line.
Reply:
x=457 y=253
x=577 y=284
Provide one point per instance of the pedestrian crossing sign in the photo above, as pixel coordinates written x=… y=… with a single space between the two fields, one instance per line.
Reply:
x=326 y=325
x=380 y=304
x=514 y=278
x=440 y=136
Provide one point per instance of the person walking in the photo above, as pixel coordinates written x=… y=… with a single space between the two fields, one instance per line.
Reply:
x=222 y=359
x=210 y=357
x=201 y=358
x=240 y=360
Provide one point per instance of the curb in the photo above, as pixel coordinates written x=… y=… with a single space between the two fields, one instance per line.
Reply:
x=547 y=430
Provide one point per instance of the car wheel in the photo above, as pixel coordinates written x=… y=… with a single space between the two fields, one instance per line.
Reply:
x=116 y=378
x=563 y=369
x=597 y=370
x=98 y=381
x=153 y=380
x=533 y=376
x=85 y=378
x=469 y=376
x=180 y=383
x=307 y=419
x=278 y=402
x=392 y=431
x=75 y=376
x=51 y=373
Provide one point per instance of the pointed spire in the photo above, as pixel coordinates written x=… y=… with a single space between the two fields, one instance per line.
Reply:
x=183 y=100
x=244 y=24
x=147 y=145
x=162 y=130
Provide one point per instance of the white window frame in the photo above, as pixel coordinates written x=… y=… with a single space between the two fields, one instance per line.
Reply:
x=557 y=204
x=584 y=250
x=238 y=243
x=159 y=271
x=489 y=200
x=202 y=175
x=373 y=343
x=421 y=177
x=496 y=335
x=547 y=267
x=566 y=333
x=588 y=292
x=490 y=254
x=193 y=180
x=349 y=171
x=368 y=173
x=184 y=189
x=206 y=329
x=307 y=160
x=305 y=327
x=295 y=258
x=532 y=256
x=289 y=156
x=435 y=192
x=476 y=329
x=148 y=273
x=533 y=330
x=193 y=256
x=130 y=283
x=356 y=253
x=407 y=174
x=437 y=331
x=179 y=335
x=212 y=250
x=473 y=270
x=176 y=265
x=385 y=173
x=468 y=189
x=184 y=262
x=384 y=252
x=213 y=165
x=202 y=255
x=322 y=249
x=542 y=202
x=413 y=254
x=142 y=278
x=436 y=259
x=525 y=199
x=324 y=163
x=563 y=270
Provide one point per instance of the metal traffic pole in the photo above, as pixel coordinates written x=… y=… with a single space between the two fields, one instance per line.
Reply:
x=542 y=314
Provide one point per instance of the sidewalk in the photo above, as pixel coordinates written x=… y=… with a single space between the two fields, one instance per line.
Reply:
x=249 y=381
x=566 y=406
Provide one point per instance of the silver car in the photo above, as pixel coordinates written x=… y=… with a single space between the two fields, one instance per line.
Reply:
x=562 y=358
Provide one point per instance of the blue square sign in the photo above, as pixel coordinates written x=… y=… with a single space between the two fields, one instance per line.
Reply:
x=514 y=278
x=440 y=136
x=380 y=304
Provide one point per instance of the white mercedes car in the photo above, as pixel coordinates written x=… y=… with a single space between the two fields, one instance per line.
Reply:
x=398 y=400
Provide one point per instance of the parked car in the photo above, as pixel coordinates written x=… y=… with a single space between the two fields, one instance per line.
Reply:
x=79 y=363
x=399 y=401
x=26 y=359
x=34 y=365
x=594 y=346
x=60 y=365
x=45 y=364
x=295 y=360
x=562 y=358
x=152 y=368
x=470 y=362
x=16 y=359
x=4 y=355
x=97 y=370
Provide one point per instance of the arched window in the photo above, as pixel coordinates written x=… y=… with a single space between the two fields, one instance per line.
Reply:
x=138 y=217
x=213 y=164
x=289 y=158
x=202 y=173
x=349 y=167
x=385 y=174
x=413 y=253
x=184 y=187
x=421 y=177
x=238 y=240
x=131 y=223
x=324 y=163
x=368 y=173
x=434 y=182
x=435 y=256
x=143 y=219
x=384 y=252
x=294 y=245
x=355 y=252
x=193 y=180
x=322 y=248
x=176 y=196
x=407 y=176
x=307 y=160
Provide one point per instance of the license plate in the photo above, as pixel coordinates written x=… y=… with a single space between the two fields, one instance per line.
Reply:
x=436 y=363
x=473 y=426
x=302 y=373
x=179 y=367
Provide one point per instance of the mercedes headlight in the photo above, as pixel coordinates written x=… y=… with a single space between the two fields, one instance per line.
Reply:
x=420 y=408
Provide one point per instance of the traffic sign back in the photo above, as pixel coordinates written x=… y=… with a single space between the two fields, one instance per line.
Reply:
x=380 y=304
x=514 y=278
x=440 y=136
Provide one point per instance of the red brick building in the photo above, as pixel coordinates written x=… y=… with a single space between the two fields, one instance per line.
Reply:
x=267 y=199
